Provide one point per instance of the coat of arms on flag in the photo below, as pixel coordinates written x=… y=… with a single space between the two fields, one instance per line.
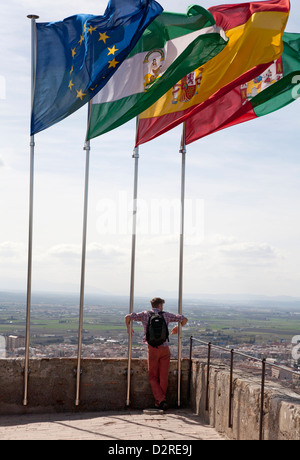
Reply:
x=173 y=45
x=154 y=63
x=250 y=50
x=187 y=87
x=273 y=74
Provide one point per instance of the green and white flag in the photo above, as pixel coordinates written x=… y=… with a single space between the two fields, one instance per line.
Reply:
x=172 y=46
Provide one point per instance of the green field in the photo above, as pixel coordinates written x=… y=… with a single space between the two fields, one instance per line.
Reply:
x=224 y=325
x=243 y=325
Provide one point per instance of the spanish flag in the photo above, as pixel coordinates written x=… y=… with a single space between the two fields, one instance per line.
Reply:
x=255 y=31
x=274 y=89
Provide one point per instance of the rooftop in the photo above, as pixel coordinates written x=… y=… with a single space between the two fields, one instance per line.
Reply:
x=175 y=424
x=214 y=400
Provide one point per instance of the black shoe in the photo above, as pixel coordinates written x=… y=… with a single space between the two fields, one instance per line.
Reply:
x=163 y=405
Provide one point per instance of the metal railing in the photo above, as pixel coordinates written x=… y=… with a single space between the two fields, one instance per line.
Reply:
x=233 y=352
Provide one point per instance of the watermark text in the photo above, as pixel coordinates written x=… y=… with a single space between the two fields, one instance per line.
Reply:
x=2 y=87
x=150 y=217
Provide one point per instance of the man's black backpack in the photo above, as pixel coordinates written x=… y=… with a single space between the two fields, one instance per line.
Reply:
x=157 y=329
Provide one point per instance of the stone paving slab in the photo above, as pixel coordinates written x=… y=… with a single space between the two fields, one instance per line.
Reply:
x=175 y=425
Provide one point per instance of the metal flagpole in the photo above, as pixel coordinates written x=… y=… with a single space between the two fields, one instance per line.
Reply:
x=133 y=244
x=32 y=17
x=183 y=156
x=87 y=148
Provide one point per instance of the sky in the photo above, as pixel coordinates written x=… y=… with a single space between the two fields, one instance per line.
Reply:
x=242 y=227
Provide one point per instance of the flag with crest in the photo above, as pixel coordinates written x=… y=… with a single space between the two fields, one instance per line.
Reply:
x=255 y=31
x=172 y=45
x=274 y=89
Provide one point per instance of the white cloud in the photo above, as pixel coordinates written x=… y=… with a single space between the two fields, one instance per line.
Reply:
x=11 y=250
x=230 y=251
x=65 y=252
x=227 y=264
x=249 y=253
x=108 y=253
x=94 y=251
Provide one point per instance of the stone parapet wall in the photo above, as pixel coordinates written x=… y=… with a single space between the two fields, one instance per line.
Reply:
x=281 y=420
x=52 y=388
x=103 y=385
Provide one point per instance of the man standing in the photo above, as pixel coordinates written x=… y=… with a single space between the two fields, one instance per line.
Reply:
x=158 y=357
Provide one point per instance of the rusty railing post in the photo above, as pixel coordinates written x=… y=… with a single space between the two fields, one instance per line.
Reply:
x=230 y=390
x=207 y=376
x=190 y=368
x=263 y=374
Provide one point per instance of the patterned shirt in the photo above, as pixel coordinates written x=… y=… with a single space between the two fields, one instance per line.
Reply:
x=143 y=317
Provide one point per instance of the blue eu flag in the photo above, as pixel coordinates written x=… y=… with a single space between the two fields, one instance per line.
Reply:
x=77 y=56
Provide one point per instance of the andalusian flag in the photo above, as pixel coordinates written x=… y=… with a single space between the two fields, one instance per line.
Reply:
x=172 y=45
x=255 y=32
x=76 y=57
x=277 y=87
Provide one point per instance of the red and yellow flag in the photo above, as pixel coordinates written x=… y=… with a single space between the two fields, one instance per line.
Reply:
x=255 y=31
x=274 y=89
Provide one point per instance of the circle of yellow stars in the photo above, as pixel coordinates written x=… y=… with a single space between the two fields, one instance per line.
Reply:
x=103 y=37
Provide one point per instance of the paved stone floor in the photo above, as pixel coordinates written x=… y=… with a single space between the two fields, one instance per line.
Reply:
x=174 y=425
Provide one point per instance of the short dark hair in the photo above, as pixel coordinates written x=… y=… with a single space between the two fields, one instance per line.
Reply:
x=156 y=301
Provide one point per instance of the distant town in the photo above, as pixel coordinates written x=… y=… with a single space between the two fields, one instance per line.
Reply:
x=269 y=329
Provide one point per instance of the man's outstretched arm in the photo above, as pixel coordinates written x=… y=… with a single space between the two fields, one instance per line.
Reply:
x=184 y=321
x=127 y=322
x=175 y=328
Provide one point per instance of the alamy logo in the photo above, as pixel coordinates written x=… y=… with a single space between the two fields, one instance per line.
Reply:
x=2 y=87
x=2 y=347
x=154 y=216
x=296 y=88
x=296 y=348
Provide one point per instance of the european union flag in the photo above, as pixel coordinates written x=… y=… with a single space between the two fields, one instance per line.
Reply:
x=77 y=56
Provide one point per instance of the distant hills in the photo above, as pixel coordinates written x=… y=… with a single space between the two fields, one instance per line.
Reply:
x=171 y=299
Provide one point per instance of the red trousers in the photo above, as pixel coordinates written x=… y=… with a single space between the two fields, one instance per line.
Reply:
x=158 y=371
